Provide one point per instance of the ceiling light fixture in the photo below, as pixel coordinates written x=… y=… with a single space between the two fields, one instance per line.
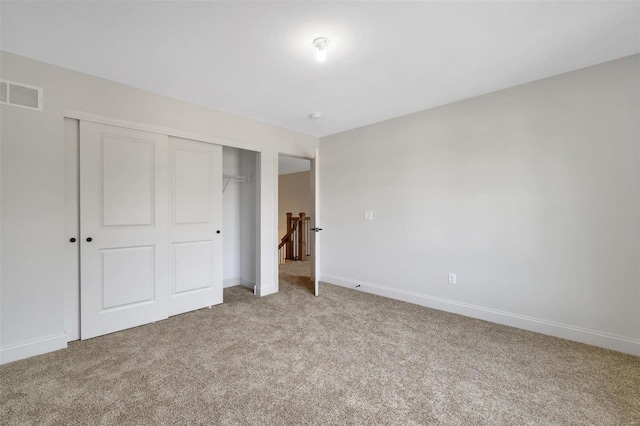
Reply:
x=321 y=44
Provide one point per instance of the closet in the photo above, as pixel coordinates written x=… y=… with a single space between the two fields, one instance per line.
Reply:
x=145 y=227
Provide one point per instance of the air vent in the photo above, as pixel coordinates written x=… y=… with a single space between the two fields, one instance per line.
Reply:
x=20 y=95
x=4 y=95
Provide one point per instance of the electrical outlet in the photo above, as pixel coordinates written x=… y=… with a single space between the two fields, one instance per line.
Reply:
x=452 y=278
x=368 y=215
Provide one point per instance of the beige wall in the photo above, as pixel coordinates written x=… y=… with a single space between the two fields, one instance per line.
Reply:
x=294 y=195
x=531 y=195
x=32 y=169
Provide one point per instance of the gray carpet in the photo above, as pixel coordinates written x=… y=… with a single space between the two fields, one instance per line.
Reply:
x=345 y=357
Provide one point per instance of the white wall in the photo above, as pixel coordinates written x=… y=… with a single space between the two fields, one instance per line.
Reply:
x=294 y=195
x=530 y=194
x=32 y=188
x=240 y=218
x=248 y=219
x=231 y=217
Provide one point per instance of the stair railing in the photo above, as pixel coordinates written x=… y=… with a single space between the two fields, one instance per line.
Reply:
x=294 y=244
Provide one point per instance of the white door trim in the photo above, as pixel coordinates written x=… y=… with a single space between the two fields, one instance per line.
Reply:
x=276 y=203
x=72 y=228
x=153 y=128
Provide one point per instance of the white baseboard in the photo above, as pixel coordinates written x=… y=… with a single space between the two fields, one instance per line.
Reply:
x=569 y=332
x=32 y=347
x=265 y=291
x=247 y=284
x=231 y=282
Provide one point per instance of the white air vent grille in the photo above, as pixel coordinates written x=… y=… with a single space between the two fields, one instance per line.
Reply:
x=20 y=95
x=4 y=96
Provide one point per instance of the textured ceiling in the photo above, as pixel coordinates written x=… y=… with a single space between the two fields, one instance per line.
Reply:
x=385 y=59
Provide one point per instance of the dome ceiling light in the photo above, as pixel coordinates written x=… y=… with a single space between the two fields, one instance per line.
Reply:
x=321 y=44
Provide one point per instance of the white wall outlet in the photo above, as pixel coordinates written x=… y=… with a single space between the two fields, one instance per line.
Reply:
x=452 y=278
x=368 y=215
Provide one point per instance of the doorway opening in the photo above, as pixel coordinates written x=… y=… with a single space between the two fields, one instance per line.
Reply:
x=241 y=182
x=295 y=219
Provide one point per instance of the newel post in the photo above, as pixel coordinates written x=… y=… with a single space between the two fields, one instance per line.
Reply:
x=302 y=246
x=289 y=242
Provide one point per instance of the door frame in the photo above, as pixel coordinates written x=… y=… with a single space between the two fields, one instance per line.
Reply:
x=266 y=152
x=75 y=114
x=72 y=229
x=277 y=208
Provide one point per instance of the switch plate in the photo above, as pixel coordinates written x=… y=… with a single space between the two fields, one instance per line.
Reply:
x=368 y=215
x=452 y=278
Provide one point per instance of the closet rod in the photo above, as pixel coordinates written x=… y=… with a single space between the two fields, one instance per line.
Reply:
x=229 y=178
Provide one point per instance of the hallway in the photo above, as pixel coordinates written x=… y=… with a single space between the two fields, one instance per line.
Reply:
x=296 y=273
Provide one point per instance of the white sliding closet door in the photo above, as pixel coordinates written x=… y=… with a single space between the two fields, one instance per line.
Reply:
x=195 y=225
x=123 y=224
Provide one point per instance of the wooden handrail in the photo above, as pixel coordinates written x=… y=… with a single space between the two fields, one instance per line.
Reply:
x=287 y=237
x=295 y=240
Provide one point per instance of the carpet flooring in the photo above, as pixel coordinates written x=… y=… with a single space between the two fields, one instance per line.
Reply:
x=345 y=357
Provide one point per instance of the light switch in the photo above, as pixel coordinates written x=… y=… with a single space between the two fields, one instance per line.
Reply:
x=368 y=215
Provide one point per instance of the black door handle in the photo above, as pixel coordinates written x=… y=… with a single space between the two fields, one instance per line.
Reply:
x=218 y=231
x=89 y=239
x=316 y=229
x=72 y=240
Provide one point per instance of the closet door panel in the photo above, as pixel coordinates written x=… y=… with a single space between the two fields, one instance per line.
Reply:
x=124 y=228
x=196 y=219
